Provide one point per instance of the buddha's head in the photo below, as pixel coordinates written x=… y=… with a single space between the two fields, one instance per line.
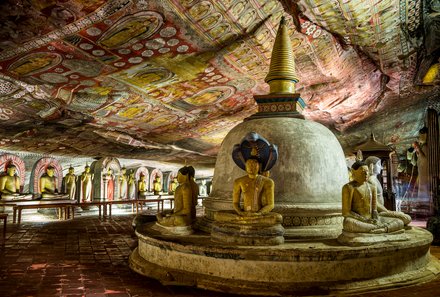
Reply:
x=183 y=175
x=374 y=164
x=423 y=133
x=123 y=170
x=11 y=170
x=50 y=171
x=109 y=171
x=360 y=172
x=142 y=177
x=252 y=166
x=87 y=169
x=175 y=180
x=203 y=182
x=71 y=170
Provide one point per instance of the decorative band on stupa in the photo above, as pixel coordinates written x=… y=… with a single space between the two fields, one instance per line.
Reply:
x=282 y=101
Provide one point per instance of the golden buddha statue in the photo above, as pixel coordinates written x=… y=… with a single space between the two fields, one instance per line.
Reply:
x=10 y=185
x=48 y=185
x=359 y=205
x=257 y=193
x=86 y=185
x=173 y=186
x=157 y=186
x=122 y=180
x=251 y=222
x=142 y=186
x=69 y=183
x=183 y=213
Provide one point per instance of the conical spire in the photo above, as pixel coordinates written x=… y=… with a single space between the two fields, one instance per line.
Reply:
x=281 y=77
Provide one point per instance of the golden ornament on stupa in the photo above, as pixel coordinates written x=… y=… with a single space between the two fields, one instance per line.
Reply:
x=282 y=77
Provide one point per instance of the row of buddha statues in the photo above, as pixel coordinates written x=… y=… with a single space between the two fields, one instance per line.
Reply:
x=122 y=185
x=253 y=202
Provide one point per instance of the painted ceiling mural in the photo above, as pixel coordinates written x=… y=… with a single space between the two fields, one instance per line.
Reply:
x=166 y=80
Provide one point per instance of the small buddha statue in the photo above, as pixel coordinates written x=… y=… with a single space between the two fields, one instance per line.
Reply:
x=375 y=167
x=48 y=185
x=142 y=186
x=203 y=191
x=69 y=183
x=10 y=185
x=359 y=206
x=131 y=185
x=173 y=186
x=183 y=213
x=86 y=185
x=251 y=222
x=157 y=186
x=123 y=186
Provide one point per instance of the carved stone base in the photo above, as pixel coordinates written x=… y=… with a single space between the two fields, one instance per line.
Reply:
x=360 y=239
x=179 y=231
x=240 y=234
x=6 y=197
x=293 y=268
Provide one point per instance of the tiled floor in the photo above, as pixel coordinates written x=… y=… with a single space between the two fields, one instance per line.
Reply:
x=88 y=257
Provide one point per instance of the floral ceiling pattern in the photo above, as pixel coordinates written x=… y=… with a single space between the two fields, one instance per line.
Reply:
x=166 y=80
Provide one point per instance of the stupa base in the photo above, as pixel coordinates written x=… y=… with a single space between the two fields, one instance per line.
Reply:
x=304 y=267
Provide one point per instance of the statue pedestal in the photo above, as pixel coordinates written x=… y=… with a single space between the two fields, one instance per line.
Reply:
x=293 y=268
x=359 y=239
x=231 y=233
x=179 y=231
x=7 y=197
x=231 y=228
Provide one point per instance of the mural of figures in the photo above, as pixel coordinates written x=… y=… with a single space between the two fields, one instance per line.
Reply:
x=131 y=28
x=34 y=63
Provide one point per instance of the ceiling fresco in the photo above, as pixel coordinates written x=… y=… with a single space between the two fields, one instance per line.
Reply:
x=166 y=80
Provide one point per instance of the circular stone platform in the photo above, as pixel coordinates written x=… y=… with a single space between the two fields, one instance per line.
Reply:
x=295 y=267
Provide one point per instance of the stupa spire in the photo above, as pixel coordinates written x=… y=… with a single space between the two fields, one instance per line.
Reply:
x=282 y=77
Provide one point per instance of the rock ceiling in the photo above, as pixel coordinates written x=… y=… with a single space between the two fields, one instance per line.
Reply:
x=166 y=80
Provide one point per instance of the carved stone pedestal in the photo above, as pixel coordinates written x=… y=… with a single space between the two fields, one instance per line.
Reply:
x=359 y=239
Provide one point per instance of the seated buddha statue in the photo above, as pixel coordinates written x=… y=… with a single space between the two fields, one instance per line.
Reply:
x=257 y=193
x=359 y=206
x=173 y=186
x=142 y=186
x=48 y=185
x=375 y=167
x=10 y=185
x=251 y=222
x=183 y=213
x=157 y=186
